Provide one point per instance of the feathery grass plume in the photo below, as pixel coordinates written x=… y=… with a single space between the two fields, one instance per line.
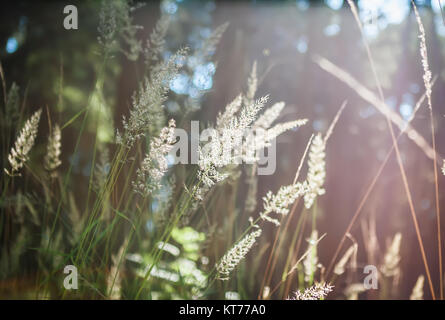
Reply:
x=428 y=88
x=156 y=42
x=317 y=170
x=147 y=107
x=417 y=293
x=259 y=138
x=52 y=157
x=155 y=164
x=23 y=144
x=107 y=25
x=265 y=121
x=218 y=152
x=115 y=23
x=340 y=267
x=231 y=127
x=269 y=116
x=280 y=128
x=424 y=55
x=248 y=114
x=208 y=174
x=231 y=109
x=391 y=259
x=278 y=203
x=311 y=260
x=224 y=120
x=234 y=256
x=316 y=292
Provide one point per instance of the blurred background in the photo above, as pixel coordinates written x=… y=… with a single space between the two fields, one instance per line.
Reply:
x=41 y=56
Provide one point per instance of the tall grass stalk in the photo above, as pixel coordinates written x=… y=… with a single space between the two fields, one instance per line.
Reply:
x=373 y=182
x=428 y=88
x=275 y=253
x=396 y=147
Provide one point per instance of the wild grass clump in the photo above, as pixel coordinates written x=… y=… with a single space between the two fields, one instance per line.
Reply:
x=131 y=184
x=137 y=226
